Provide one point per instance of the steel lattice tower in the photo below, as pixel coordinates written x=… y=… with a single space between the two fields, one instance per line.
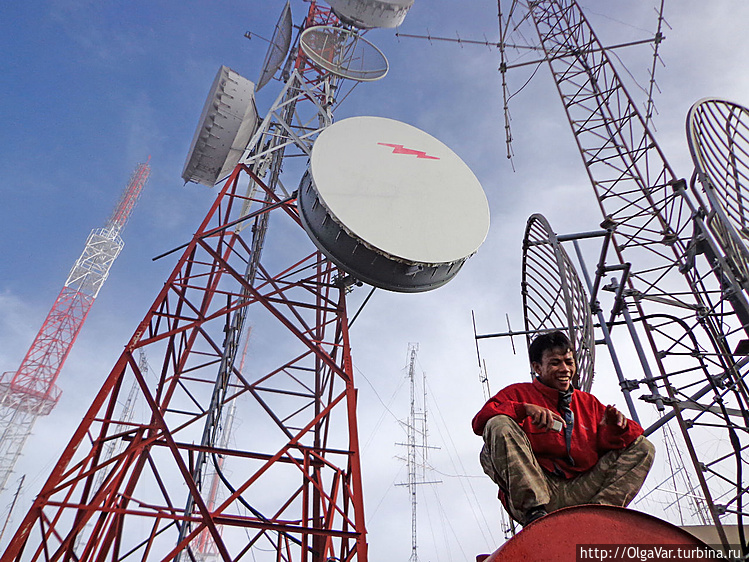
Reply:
x=31 y=391
x=413 y=417
x=673 y=286
x=294 y=491
x=416 y=428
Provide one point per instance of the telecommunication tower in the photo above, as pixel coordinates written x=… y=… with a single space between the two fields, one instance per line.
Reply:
x=293 y=491
x=677 y=264
x=417 y=446
x=31 y=391
x=204 y=547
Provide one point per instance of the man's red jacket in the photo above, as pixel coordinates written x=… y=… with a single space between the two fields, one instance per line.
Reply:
x=589 y=439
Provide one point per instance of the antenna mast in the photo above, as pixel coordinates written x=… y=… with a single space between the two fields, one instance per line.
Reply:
x=31 y=391
x=417 y=439
x=412 y=464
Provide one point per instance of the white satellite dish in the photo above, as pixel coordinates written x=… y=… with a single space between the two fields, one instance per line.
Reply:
x=344 y=53
x=366 y=14
x=228 y=121
x=391 y=205
x=278 y=49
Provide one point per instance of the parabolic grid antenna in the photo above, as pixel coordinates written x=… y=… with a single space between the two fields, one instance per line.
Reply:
x=391 y=205
x=718 y=135
x=366 y=14
x=278 y=49
x=228 y=121
x=344 y=53
x=554 y=298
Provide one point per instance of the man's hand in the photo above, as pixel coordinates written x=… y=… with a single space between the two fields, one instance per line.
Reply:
x=612 y=416
x=542 y=417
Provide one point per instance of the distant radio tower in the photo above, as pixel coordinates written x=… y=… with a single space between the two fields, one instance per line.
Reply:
x=31 y=391
x=417 y=439
x=204 y=546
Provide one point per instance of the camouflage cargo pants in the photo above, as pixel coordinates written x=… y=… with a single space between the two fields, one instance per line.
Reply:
x=508 y=459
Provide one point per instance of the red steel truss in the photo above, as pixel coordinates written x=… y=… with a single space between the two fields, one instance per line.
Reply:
x=36 y=376
x=33 y=386
x=311 y=75
x=292 y=481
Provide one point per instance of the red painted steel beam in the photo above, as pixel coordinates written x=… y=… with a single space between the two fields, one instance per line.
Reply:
x=200 y=294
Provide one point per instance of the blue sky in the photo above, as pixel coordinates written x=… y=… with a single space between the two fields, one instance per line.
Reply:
x=89 y=89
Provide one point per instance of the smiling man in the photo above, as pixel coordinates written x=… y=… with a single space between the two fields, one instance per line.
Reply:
x=548 y=445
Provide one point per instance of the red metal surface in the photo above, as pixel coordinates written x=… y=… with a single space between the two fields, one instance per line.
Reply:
x=556 y=537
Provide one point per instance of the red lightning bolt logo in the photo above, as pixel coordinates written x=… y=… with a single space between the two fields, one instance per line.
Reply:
x=398 y=149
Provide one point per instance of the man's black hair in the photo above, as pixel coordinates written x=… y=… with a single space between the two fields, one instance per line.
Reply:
x=549 y=340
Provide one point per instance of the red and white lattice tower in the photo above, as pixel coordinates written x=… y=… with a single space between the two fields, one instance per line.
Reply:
x=31 y=391
x=290 y=483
